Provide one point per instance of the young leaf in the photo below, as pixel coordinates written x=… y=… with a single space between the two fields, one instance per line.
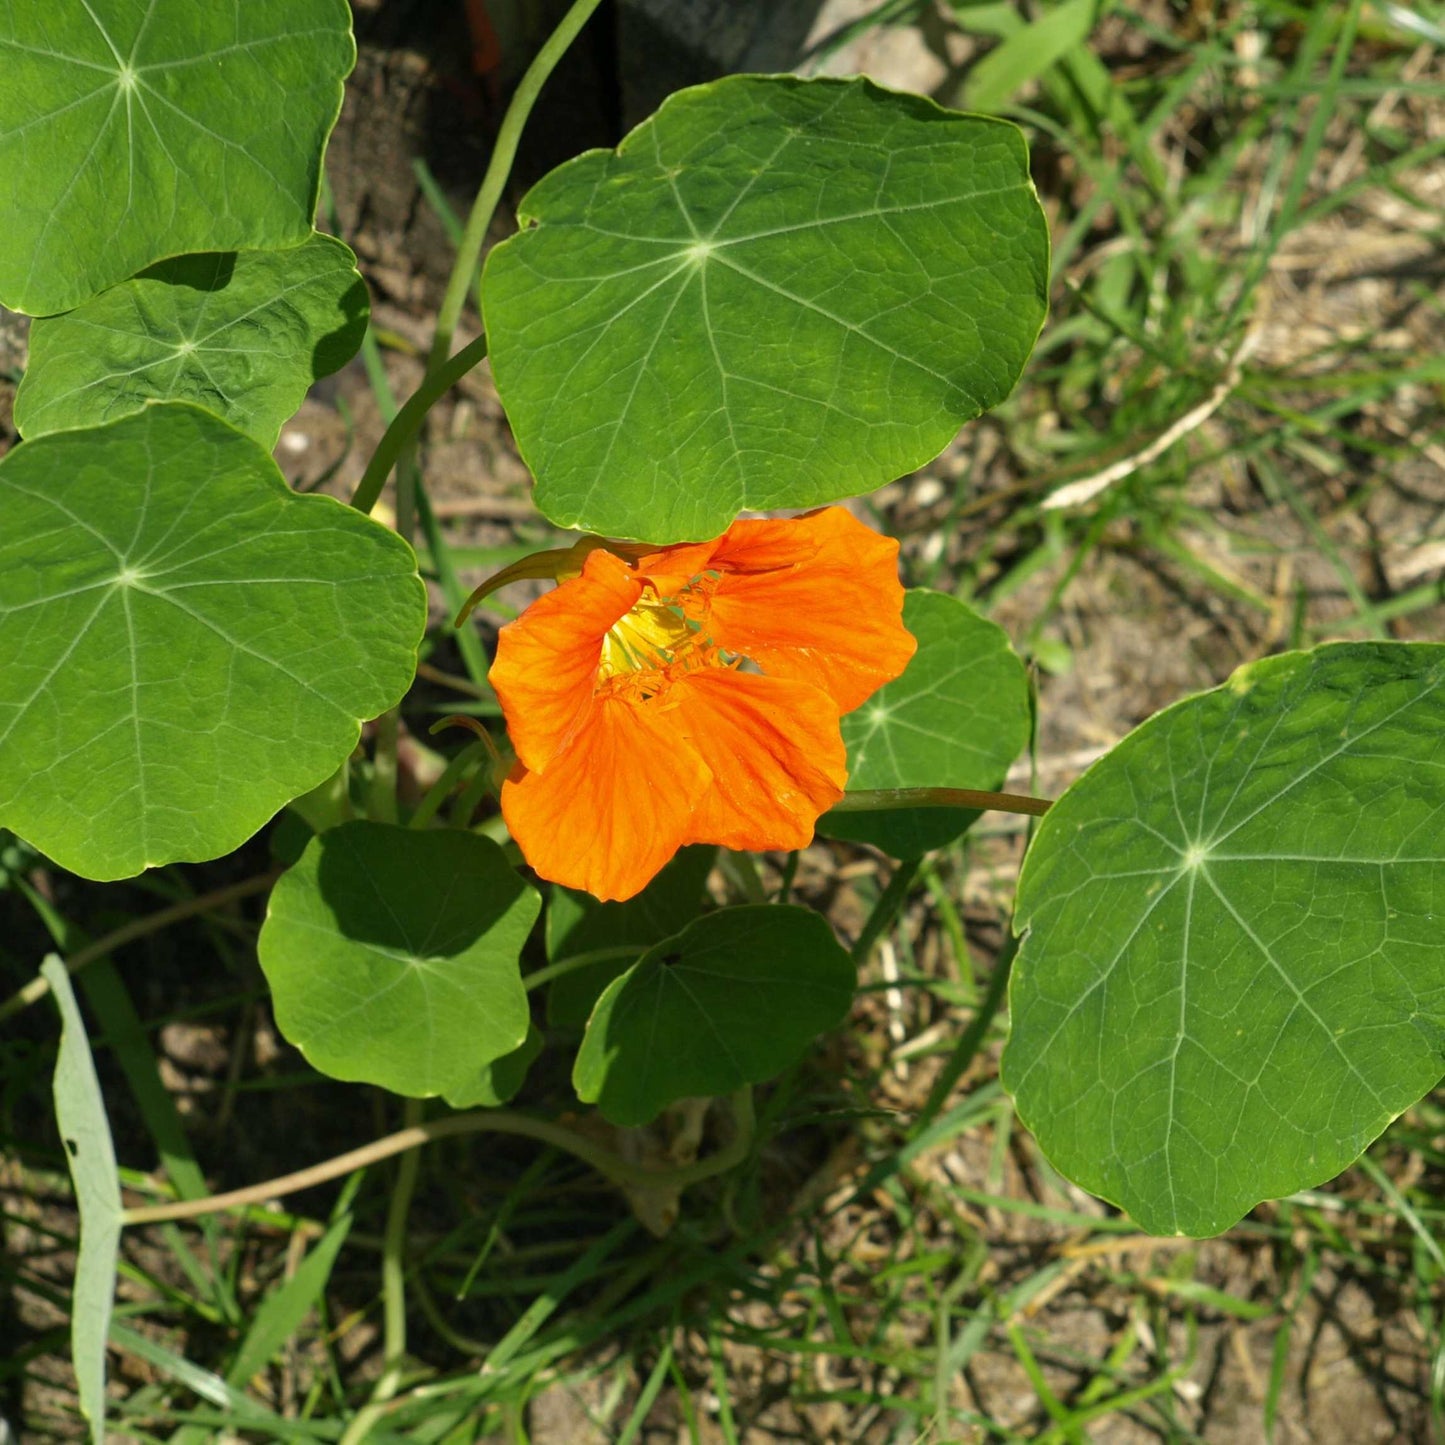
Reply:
x=392 y=956
x=242 y=333
x=1233 y=975
x=776 y=292
x=578 y=924
x=80 y=1114
x=187 y=644
x=731 y=1000
x=127 y=136
x=956 y=718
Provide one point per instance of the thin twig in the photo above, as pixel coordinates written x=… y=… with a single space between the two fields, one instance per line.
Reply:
x=39 y=986
x=1075 y=494
x=482 y=1121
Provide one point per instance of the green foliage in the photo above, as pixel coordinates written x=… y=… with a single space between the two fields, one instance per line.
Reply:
x=1230 y=975
x=1027 y=50
x=578 y=927
x=188 y=643
x=956 y=718
x=1229 y=978
x=496 y=1082
x=241 y=333
x=281 y=1313
x=80 y=1115
x=392 y=956
x=127 y=136
x=731 y=1000
x=796 y=315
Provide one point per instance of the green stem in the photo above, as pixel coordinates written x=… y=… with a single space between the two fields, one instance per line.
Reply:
x=972 y=1037
x=498 y=168
x=952 y=926
x=407 y=422
x=869 y=800
x=381 y=803
x=580 y=960
x=436 y=795
x=744 y=868
x=885 y=910
x=393 y=1263
x=482 y=1121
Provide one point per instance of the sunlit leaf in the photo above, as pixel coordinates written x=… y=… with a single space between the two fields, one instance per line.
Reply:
x=392 y=956
x=133 y=132
x=498 y=1081
x=187 y=644
x=243 y=334
x=775 y=293
x=1233 y=975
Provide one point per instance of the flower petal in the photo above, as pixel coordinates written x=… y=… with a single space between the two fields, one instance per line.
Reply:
x=613 y=807
x=773 y=748
x=546 y=665
x=668 y=570
x=816 y=598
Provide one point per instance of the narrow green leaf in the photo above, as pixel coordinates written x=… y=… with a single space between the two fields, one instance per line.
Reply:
x=242 y=1411
x=1233 y=974
x=1028 y=53
x=774 y=293
x=956 y=718
x=733 y=999
x=80 y=1114
x=242 y=333
x=188 y=644
x=392 y=956
x=126 y=137
x=282 y=1312
x=578 y=924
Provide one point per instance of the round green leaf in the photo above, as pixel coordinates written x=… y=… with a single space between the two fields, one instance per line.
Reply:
x=132 y=132
x=775 y=292
x=1233 y=975
x=242 y=333
x=733 y=999
x=956 y=718
x=392 y=956
x=186 y=644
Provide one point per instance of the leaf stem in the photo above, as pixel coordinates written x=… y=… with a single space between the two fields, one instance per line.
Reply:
x=482 y=1121
x=869 y=800
x=504 y=151
x=393 y=1288
x=39 y=986
x=479 y=752
x=886 y=909
x=580 y=960
x=381 y=803
x=972 y=1038
x=407 y=422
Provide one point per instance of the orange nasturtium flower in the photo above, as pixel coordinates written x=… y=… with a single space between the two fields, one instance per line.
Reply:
x=691 y=694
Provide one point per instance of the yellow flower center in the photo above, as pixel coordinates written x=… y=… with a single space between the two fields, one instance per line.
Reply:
x=650 y=638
